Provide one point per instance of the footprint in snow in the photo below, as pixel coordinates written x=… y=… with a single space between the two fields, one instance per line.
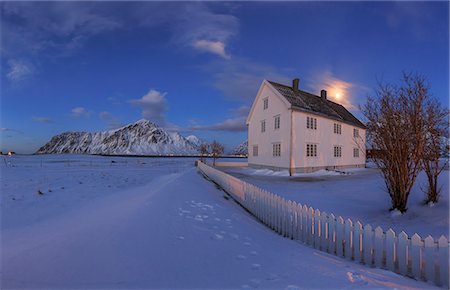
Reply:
x=217 y=219
x=256 y=266
x=180 y=238
x=355 y=277
x=253 y=253
x=198 y=218
x=247 y=244
x=292 y=287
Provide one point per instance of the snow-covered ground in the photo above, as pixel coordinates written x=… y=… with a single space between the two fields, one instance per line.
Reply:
x=359 y=194
x=149 y=223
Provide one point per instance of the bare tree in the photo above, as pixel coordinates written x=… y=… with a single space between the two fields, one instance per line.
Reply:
x=204 y=150
x=396 y=129
x=216 y=150
x=436 y=128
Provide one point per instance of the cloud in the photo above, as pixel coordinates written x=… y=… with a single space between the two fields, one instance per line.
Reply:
x=240 y=78
x=111 y=121
x=153 y=105
x=337 y=89
x=3 y=129
x=79 y=112
x=42 y=120
x=18 y=70
x=237 y=123
x=215 y=47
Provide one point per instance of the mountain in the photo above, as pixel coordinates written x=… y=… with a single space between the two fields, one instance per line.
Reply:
x=195 y=141
x=140 y=138
x=241 y=149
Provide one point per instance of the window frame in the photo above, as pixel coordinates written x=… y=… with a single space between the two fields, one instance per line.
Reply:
x=355 y=150
x=311 y=150
x=276 y=149
x=337 y=128
x=337 y=151
x=265 y=103
x=277 y=118
x=263 y=126
x=255 y=151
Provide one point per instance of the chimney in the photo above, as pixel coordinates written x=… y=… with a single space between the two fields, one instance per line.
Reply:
x=323 y=94
x=295 y=84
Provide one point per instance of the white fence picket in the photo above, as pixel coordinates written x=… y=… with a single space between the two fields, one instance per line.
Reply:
x=379 y=247
x=348 y=239
x=390 y=250
x=305 y=224
x=332 y=234
x=402 y=253
x=340 y=228
x=317 y=232
x=368 y=245
x=429 y=252
x=416 y=257
x=357 y=241
x=323 y=232
x=425 y=259
x=443 y=261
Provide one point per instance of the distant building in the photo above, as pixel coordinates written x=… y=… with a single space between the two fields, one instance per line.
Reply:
x=291 y=129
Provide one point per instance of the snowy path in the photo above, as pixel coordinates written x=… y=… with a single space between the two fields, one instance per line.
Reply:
x=176 y=232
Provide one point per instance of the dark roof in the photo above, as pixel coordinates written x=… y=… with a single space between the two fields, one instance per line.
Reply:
x=307 y=102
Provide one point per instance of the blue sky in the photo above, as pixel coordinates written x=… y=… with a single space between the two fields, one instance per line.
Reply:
x=196 y=67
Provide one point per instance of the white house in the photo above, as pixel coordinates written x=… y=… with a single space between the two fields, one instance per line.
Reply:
x=291 y=129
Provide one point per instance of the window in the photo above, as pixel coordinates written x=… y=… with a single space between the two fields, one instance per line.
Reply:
x=311 y=123
x=265 y=103
x=355 y=152
x=263 y=126
x=337 y=129
x=276 y=149
x=255 y=150
x=277 y=122
x=337 y=151
x=311 y=150
x=355 y=133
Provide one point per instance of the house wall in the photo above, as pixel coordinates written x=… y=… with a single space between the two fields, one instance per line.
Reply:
x=265 y=140
x=326 y=139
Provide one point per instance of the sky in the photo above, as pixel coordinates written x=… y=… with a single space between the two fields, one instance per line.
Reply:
x=195 y=67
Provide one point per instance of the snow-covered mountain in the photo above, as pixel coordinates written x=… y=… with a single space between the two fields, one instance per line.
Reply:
x=140 y=138
x=241 y=149
x=195 y=141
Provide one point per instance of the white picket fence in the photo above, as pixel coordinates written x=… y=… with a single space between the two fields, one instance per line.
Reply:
x=423 y=259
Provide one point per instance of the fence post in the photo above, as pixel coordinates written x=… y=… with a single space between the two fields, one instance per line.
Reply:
x=317 y=232
x=332 y=234
x=357 y=235
x=368 y=245
x=390 y=250
x=443 y=261
x=416 y=258
x=429 y=250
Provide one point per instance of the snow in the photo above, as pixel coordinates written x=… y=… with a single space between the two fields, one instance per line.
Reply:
x=359 y=194
x=149 y=223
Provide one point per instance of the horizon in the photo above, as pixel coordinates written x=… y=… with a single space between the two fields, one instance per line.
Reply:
x=195 y=67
